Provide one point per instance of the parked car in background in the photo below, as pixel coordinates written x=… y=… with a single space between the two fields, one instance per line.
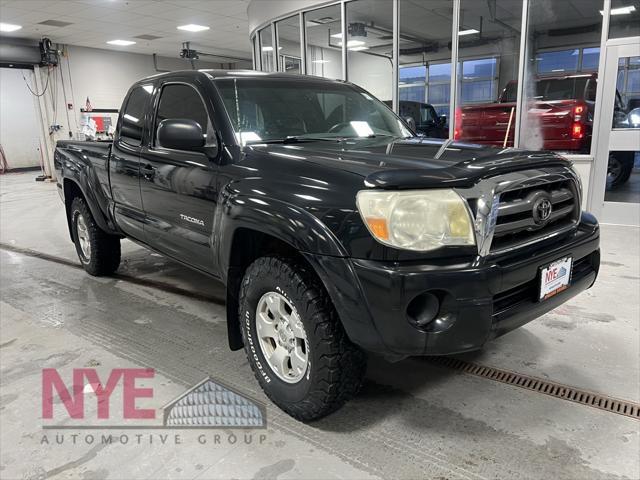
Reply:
x=561 y=108
x=425 y=118
x=560 y=114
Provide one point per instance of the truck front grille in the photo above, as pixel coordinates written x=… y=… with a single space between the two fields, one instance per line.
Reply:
x=532 y=213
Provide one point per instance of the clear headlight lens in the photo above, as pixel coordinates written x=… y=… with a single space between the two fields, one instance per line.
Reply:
x=416 y=219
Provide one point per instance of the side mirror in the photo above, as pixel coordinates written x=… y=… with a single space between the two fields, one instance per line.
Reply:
x=442 y=119
x=411 y=123
x=180 y=134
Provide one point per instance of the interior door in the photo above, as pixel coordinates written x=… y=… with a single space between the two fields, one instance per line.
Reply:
x=617 y=178
x=179 y=187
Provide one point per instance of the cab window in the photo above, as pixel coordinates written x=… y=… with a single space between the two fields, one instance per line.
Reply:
x=133 y=116
x=182 y=102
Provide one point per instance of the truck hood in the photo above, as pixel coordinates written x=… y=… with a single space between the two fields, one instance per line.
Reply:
x=413 y=163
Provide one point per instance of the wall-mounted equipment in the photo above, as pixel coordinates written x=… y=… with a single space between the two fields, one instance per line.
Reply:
x=48 y=54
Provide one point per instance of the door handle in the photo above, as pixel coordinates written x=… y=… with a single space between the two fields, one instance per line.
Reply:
x=148 y=171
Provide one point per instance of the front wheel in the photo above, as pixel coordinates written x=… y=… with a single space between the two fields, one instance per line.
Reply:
x=294 y=341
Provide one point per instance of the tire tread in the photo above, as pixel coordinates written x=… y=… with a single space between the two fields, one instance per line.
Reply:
x=341 y=376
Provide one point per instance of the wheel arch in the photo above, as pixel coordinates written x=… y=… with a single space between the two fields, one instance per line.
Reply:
x=72 y=189
x=246 y=246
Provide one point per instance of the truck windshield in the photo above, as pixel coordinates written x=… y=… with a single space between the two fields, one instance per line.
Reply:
x=281 y=109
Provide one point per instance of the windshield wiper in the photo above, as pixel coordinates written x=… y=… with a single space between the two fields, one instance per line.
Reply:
x=294 y=139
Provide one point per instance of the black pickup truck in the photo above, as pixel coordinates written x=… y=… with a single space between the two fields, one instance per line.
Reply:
x=335 y=229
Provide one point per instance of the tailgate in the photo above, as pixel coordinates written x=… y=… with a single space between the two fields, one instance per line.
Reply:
x=554 y=118
x=487 y=124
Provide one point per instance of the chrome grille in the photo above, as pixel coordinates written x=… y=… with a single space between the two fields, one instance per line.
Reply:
x=521 y=216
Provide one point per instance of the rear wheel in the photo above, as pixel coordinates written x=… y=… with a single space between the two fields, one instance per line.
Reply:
x=619 y=168
x=295 y=342
x=98 y=251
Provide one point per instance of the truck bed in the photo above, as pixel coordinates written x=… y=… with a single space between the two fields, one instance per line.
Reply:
x=90 y=158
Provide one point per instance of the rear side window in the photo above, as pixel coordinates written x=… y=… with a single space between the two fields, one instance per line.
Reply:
x=561 y=89
x=182 y=102
x=133 y=116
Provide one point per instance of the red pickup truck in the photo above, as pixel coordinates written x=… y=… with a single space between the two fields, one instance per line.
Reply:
x=560 y=113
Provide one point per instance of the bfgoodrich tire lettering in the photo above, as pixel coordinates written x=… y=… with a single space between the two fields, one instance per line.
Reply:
x=335 y=367
x=103 y=257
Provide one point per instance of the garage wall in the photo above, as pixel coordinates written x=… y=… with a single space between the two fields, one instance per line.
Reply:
x=19 y=124
x=105 y=77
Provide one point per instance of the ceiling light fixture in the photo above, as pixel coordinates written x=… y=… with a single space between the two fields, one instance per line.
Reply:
x=192 y=27
x=337 y=35
x=358 y=49
x=269 y=48
x=9 y=27
x=621 y=10
x=470 y=31
x=121 y=43
x=320 y=61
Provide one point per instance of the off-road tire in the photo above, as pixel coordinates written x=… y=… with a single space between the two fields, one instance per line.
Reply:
x=337 y=366
x=105 y=248
x=622 y=164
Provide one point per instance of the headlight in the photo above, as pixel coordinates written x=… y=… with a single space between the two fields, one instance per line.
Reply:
x=416 y=219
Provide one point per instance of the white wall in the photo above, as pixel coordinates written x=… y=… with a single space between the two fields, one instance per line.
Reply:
x=104 y=76
x=374 y=74
x=19 y=124
x=324 y=62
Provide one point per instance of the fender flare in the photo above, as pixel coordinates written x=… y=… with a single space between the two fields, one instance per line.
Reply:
x=276 y=219
x=81 y=179
x=288 y=223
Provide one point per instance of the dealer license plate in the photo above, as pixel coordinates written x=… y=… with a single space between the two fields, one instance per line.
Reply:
x=555 y=278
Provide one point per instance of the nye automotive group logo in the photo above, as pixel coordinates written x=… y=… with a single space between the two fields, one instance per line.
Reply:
x=90 y=402
x=86 y=380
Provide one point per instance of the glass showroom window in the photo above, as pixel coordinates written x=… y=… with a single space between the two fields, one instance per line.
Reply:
x=568 y=61
x=425 y=64
x=370 y=46
x=488 y=55
x=628 y=82
x=323 y=32
x=439 y=87
x=288 y=31
x=478 y=81
x=560 y=100
x=266 y=50
x=625 y=19
x=413 y=83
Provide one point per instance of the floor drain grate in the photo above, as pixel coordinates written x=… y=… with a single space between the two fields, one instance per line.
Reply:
x=565 y=392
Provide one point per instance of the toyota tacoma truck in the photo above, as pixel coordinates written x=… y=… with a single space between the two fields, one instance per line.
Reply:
x=336 y=230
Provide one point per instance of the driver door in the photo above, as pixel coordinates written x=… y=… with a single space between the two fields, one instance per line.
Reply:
x=179 y=187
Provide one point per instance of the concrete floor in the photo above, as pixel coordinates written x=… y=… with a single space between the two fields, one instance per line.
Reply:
x=412 y=420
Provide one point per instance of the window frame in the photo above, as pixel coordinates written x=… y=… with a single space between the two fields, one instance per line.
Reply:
x=145 y=109
x=156 y=106
x=495 y=79
x=580 y=63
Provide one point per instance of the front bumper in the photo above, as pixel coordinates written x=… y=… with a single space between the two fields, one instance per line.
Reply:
x=483 y=301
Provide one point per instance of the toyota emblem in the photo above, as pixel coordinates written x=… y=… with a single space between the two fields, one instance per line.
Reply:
x=542 y=209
